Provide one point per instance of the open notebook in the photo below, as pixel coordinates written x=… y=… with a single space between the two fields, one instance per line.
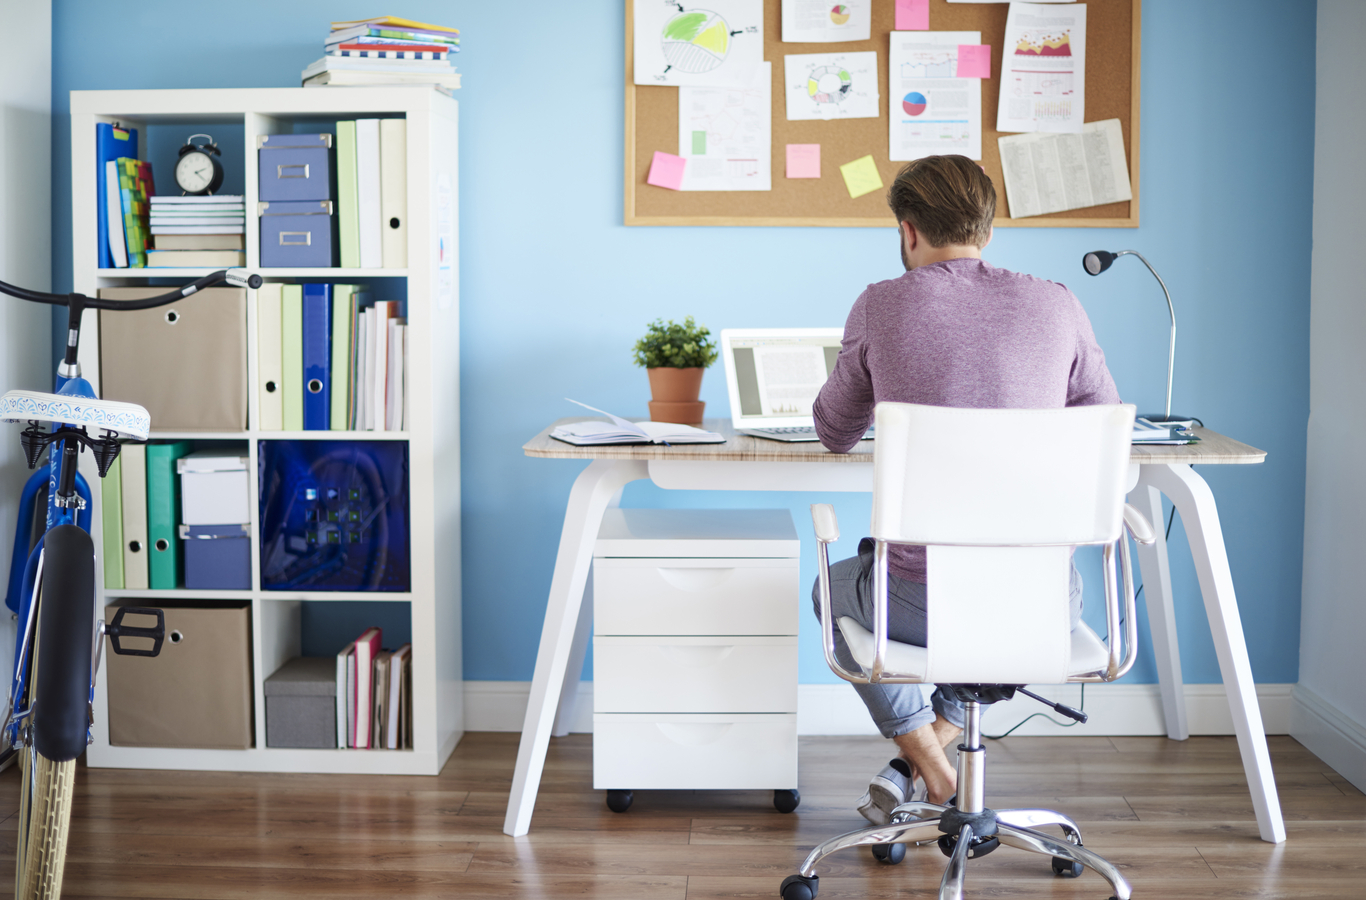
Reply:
x=620 y=431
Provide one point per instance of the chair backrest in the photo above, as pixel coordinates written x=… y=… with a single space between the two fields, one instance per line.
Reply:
x=999 y=496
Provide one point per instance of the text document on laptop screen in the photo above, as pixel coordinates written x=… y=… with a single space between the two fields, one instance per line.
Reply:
x=774 y=375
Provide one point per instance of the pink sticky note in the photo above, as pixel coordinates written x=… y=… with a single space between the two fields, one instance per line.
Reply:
x=912 y=15
x=974 y=60
x=666 y=171
x=803 y=160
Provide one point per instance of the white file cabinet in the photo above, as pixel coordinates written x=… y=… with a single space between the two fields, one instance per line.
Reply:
x=695 y=652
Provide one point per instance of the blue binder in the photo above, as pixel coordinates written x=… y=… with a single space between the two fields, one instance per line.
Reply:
x=108 y=146
x=317 y=356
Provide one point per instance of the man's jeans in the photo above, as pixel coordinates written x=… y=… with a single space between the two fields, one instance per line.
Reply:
x=896 y=708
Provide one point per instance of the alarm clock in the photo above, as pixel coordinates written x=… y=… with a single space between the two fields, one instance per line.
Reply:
x=198 y=171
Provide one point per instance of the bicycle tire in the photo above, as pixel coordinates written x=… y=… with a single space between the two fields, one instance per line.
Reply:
x=43 y=849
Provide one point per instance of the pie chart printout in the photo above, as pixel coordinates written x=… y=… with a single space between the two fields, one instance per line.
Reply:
x=914 y=103
x=828 y=84
x=839 y=14
x=696 y=41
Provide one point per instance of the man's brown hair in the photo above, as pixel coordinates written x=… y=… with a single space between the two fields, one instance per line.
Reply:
x=949 y=200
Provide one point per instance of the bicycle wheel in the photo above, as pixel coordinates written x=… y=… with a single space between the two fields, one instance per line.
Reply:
x=59 y=699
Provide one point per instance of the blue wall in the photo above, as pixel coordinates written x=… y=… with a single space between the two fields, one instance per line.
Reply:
x=554 y=289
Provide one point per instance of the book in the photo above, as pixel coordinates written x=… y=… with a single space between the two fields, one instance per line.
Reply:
x=199 y=229
x=133 y=491
x=400 y=673
x=192 y=199
x=379 y=705
x=360 y=379
x=345 y=667
x=338 y=38
x=111 y=512
x=111 y=142
x=190 y=259
x=317 y=355
x=368 y=193
x=379 y=363
x=1147 y=432
x=620 y=431
x=234 y=219
x=393 y=391
x=348 y=221
x=396 y=22
x=386 y=66
x=367 y=648
x=352 y=79
x=351 y=698
x=292 y=355
x=429 y=52
x=269 y=366
x=117 y=249
x=393 y=193
x=343 y=312
x=135 y=186
x=163 y=513
x=201 y=242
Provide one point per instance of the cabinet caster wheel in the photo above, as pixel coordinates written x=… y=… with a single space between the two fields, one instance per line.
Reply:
x=891 y=854
x=786 y=801
x=1066 y=868
x=799 y=887
x=619 y=801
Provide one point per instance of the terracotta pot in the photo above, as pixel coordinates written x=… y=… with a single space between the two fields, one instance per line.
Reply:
x=674 y=393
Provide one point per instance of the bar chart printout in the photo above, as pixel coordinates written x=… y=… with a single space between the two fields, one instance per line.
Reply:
x=1043 y=69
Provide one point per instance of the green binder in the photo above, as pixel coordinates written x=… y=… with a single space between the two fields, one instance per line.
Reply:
x=111 y=520
x=348 y=212
x=292 y=354
x=163 y=512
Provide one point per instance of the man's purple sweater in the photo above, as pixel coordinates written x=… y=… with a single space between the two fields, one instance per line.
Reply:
x=960 y=333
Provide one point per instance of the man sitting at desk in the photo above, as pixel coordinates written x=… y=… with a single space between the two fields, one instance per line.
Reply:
x=953 y=331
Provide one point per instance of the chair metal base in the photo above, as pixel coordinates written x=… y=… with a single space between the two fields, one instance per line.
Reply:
x=919 y=821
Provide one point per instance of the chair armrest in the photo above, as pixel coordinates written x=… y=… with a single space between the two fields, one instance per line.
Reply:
x=827 y=526
x=1138 y=525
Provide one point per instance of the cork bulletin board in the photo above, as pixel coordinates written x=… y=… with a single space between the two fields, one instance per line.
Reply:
x=1112 y=92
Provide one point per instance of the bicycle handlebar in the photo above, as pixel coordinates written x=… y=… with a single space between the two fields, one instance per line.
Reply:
x=234 y=277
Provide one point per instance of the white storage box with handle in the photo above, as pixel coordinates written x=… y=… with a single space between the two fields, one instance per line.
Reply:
x=695 y=652
x=214 y=488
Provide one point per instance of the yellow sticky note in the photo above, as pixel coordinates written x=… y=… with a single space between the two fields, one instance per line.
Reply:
x=861 y=176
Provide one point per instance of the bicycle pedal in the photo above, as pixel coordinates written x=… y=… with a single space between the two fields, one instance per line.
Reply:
x=116 y=630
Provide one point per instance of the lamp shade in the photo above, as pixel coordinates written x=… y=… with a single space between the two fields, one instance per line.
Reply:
x=1097 y=261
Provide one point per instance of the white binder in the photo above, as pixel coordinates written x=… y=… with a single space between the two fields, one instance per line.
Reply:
x=368 y=192
x=393 y=194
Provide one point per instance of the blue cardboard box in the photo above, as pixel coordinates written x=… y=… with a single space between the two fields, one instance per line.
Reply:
x=295 y=166
x=217 y=557
x=297 y=233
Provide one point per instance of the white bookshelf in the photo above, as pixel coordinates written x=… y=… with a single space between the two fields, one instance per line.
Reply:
x=433 y=436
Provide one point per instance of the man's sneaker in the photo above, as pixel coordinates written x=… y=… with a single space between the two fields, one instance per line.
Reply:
x=889 y=789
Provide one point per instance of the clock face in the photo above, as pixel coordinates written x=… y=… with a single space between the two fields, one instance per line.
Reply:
x=194 y=172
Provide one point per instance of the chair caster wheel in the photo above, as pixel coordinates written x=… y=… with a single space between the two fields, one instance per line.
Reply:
x=786 y=801
x=619 y=801
x=799 y=887
x=891 y=854
x=1066 y=868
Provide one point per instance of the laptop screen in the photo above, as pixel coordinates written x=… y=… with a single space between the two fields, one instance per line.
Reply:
x=775 y=374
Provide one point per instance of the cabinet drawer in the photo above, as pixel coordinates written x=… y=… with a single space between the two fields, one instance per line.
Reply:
x=694 y=752
x=695 y=596
x=695 y=674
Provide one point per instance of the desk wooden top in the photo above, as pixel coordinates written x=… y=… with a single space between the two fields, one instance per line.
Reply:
x=1213 y=449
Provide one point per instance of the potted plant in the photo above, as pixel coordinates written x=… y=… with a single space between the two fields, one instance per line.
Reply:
x=674 y=356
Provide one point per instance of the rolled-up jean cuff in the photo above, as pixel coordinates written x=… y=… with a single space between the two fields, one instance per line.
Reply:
x=874 y=697
x=949 y=707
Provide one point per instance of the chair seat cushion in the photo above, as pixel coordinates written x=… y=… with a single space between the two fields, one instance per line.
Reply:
x=906 y=662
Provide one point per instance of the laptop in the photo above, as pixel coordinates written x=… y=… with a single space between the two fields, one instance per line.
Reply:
x=773 y=376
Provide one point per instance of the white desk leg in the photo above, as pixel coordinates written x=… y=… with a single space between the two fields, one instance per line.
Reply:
x=1194 y=500
x=1157 y=593
x=592 y=492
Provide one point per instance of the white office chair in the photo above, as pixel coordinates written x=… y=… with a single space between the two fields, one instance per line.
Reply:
x=999 y=498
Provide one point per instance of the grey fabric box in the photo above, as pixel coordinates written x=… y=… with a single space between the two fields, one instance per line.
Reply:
x=301 y=703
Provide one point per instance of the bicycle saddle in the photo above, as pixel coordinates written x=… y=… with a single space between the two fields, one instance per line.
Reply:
x=126 y=420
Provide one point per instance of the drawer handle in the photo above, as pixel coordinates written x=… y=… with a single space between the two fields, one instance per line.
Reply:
x=695 y=580
x=698 y=657
x=693 y=734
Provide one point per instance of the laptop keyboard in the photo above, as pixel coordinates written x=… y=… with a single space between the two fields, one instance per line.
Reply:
x=792 y=429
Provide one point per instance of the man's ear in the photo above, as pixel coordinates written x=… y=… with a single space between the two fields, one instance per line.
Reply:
x=909 y=236
x=990 y=234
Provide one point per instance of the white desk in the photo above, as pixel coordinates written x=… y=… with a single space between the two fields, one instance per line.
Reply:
x=752 y=464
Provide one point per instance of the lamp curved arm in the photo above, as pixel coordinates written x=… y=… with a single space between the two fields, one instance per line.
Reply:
x=1171 y=349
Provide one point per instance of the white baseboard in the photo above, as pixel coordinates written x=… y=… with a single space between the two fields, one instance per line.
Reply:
x=1329 y=734
x=834 y=709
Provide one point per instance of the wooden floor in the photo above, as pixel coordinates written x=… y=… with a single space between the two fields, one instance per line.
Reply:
x=1174 y=816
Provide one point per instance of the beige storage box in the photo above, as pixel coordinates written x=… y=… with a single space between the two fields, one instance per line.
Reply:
x=197 y=693
x=186 y=362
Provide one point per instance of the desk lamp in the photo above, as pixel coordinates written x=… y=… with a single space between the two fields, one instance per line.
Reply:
x=1098 y=261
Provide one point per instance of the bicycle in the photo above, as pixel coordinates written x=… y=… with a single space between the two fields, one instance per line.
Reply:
x=52 y=585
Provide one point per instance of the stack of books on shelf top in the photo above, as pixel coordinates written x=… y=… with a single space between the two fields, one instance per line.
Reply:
x=198 y=231
x=387 y=50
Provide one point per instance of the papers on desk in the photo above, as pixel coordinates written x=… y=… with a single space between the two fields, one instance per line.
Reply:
x=1146 y=432
x=620 y=431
